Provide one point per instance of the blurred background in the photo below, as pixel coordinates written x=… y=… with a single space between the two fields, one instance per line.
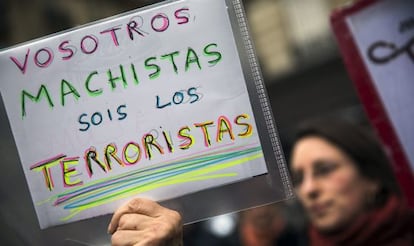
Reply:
x=303 y=73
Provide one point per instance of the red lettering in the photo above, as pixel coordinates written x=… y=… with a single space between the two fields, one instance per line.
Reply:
x=19 y=65
x=160 y=27
x=47 y=61
x=94 y=47
x=45 y=166
x=67 y=49
x=113 y=34
x=182 y=15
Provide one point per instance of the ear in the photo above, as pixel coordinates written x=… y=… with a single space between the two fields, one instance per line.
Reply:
x=372 y=188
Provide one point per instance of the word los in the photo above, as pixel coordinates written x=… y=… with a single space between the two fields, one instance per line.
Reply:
x=180 y=97
x=132 y=152
x=93 y=83
x=89 y=44
x=97 y=118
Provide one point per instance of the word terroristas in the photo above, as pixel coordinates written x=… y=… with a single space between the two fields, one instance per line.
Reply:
x=145 y=148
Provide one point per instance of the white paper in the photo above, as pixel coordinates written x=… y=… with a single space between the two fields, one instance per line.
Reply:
x=384 y=34
x=181 y=76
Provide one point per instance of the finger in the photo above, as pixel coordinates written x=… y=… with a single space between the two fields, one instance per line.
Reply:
x=125 y=238
x=137 y=205
x=138 y=238
x=134 y=222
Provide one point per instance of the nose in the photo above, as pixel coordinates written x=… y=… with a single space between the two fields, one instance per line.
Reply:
x=309 y=189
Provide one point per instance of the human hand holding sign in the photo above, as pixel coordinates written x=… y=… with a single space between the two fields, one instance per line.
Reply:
x=145 y=222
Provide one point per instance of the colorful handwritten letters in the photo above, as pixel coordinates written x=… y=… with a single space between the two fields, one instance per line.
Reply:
x=132 y=152
x=94 y=86
x=151 y=103
x=137 y=27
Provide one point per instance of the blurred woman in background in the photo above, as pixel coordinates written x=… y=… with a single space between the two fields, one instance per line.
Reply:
x=342 y=178
x=346 y=185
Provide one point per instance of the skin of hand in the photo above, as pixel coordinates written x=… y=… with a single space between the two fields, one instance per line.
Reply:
x=144 y=222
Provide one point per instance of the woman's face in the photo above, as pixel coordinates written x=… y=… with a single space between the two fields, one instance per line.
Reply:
x=328 y=184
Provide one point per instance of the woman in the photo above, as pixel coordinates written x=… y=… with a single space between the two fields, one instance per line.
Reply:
x=341 y=176
x=344 y=181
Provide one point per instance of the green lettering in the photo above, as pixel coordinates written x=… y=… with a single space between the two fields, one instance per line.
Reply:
x=70 y=90
x=42 y=92
x=91 y=92
x=215 y=54
x=134 y=74
x=149 y=66
x=171 y=58
x=191 y=58
x=112 y=79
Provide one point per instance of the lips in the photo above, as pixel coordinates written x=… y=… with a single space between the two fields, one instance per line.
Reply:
x=319 y=209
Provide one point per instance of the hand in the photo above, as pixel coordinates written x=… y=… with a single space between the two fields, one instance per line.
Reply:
x=144 y=222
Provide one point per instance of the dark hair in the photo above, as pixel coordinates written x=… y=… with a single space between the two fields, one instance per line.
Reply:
x=362 y=146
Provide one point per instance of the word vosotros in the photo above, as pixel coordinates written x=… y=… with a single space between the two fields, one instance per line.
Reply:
x=136 y=28
x=147 y=146
x=93 y=85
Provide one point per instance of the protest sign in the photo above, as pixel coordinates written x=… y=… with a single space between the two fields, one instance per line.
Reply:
x=377 y=42
x=156 y=102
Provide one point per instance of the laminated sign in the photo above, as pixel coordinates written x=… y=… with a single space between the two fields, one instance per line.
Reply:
x=165 y=102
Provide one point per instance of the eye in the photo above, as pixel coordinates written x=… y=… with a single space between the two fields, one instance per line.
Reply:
x=323 y=168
